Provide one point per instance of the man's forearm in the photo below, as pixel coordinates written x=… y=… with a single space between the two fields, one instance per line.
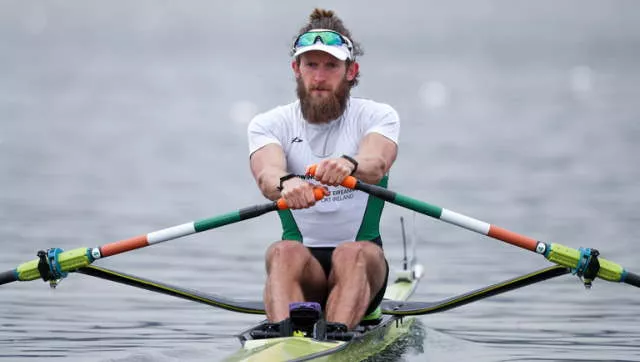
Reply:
x=371 y=169
x=268 y=182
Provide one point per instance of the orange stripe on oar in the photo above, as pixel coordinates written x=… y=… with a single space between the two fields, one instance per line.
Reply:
x=121 y=246
x=512 y=238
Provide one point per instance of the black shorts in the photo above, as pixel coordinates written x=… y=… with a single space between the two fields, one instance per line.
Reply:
x=323 y=255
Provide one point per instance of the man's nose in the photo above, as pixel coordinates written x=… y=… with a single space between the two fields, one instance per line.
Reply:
x=319 y=75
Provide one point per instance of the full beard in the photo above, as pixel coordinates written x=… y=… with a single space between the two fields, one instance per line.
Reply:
x=322 y=110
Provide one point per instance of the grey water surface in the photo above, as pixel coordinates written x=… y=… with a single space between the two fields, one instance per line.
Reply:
x=118 y=118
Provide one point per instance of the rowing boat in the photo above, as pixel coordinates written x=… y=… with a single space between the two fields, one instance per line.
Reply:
x=367 y=339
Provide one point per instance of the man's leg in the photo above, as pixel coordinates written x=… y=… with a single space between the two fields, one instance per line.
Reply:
x=293 y=275
x=358 y=273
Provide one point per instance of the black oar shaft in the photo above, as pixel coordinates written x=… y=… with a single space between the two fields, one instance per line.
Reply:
x=8 y=277
x=632 y=279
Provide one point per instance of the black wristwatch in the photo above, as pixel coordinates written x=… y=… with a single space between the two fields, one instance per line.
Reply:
x=353 y=161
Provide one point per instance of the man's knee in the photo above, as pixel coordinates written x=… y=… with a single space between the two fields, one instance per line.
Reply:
x=285 y=251
x=348 y=254
x=359 y=251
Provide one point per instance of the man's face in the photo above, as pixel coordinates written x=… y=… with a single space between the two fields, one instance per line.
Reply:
x=322 y=85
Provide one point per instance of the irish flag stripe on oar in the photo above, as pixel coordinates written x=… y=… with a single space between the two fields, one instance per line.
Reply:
x=464 y=221
x=182 y=230
x=439 y=213
x=171 y=233
x=513 y=238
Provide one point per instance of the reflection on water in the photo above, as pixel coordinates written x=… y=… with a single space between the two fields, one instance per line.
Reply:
x=121 y=118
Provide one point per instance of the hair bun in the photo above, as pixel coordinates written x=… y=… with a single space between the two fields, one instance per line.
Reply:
x=318 y=14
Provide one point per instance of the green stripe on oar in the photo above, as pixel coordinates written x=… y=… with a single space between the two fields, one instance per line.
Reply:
x=212 y=223
x=577 y=260
x=57 y=264
x=427 y=209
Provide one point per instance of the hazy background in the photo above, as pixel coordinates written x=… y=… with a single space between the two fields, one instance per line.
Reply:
x=118 y=118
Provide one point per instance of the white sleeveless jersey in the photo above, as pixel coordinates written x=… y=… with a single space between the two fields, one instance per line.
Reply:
x=340 y=216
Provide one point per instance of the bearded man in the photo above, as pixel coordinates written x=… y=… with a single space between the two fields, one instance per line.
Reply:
x=330 y=253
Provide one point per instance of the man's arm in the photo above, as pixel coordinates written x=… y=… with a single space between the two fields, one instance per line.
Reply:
x=268 y=164
x=375 y=157
x=376 y=154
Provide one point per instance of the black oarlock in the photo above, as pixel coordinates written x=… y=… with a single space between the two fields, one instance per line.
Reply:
x=591 y=269
x=43 y=266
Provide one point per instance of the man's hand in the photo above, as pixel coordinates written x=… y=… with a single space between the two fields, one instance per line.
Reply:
x=332 y=171
x=299 y=193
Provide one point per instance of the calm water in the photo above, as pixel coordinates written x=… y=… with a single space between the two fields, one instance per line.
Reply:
x=120 y=118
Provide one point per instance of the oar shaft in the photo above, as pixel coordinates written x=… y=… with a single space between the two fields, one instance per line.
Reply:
x=194 y=227
x=632 y=279
x=178 y=231
x=8 y=277
x=72 y=260
x=445 y=215
x=557 y=253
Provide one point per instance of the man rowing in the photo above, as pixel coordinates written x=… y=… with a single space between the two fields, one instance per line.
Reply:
x=330 y=253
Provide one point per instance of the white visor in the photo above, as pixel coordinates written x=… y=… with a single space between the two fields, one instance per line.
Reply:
x=341 y=52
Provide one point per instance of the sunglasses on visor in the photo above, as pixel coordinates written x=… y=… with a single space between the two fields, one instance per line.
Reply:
x=327 y=37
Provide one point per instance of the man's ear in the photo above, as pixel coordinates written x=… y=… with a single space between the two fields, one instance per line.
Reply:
x=352 y=71
x=296 y=68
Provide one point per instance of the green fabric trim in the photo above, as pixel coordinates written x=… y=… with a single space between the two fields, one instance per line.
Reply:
x=370 y=226
x=290 y=229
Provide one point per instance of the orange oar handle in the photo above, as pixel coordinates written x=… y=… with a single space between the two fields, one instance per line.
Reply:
x=348 y=182
x=318 y=193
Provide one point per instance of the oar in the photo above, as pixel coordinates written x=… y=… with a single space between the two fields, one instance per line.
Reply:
x=583 y=261
x=55 y=263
